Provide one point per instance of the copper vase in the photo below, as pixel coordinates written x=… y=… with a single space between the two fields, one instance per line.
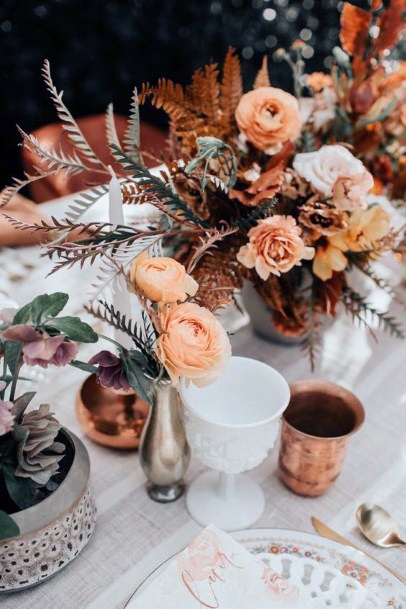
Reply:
x=316 y=427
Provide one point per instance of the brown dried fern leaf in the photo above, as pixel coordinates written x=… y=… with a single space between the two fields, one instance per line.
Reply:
x=218 y=275
x=262 y=78
x=211 y=93
x=231 y=86
x=169 y=96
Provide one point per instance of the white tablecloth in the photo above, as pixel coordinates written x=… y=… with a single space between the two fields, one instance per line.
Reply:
x=134 y=535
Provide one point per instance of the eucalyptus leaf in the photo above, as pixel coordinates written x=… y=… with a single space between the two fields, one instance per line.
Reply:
x=8 y=528
x=74 y=329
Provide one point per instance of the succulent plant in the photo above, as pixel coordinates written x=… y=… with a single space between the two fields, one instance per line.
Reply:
x=37 y=452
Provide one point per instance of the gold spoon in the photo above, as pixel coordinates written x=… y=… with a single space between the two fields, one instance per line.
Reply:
x=378 y=526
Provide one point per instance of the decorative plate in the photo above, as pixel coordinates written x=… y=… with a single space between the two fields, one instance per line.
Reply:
x=370 y=574
x=293 y=553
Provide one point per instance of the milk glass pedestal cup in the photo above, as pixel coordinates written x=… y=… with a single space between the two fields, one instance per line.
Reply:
x=231 y=425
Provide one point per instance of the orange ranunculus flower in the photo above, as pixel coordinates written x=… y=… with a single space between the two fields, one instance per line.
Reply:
x=367 y=227
x=193 y=344
x=328 y=259
x=162 y=279
x=268 y=116
x=275 y=246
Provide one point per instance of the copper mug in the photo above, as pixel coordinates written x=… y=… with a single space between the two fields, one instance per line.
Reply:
x=316 y=427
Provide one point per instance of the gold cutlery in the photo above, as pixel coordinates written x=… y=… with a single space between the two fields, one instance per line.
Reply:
x=378 y=526
x=325 y=531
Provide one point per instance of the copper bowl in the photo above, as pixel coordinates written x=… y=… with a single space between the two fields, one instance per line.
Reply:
x=108 y=417
x=316 y=428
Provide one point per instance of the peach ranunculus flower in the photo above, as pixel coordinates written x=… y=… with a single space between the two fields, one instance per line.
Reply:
x=193 y=344
x=162 y=279
x=275 y=246
x=268 y=116
x=323 y=167
x=349 y=192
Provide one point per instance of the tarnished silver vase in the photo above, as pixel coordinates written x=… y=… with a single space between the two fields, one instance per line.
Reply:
x=164 y=451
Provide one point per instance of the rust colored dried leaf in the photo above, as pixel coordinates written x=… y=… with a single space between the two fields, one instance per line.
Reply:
x=266 y=187
x=355 y=23
x=391 y=24
x=262 y=78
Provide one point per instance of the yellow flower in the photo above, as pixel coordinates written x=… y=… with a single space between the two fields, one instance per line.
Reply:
x=367 y=227
x=328 y=259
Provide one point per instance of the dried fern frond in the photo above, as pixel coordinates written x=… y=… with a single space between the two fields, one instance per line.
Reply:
x=69 y=124
x=111 y=131
x=262 y=78
x=231 y=86
x=132 y=134
x=364 y=313
x=85 y=201
x=218 y=276
x=9 y=192
x=52 y=159
x=207 y=243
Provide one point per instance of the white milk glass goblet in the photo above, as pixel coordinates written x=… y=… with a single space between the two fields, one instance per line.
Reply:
x=231 y=425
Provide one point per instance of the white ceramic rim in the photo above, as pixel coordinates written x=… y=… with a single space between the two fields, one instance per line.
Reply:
x=276 y=415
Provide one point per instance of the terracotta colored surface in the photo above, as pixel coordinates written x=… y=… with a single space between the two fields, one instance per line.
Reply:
x=93 y=127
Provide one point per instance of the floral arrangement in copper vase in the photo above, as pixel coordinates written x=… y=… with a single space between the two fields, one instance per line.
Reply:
x=33 y=457
x=263 y=186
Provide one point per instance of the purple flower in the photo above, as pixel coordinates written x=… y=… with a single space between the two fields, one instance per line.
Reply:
x=40 y=349
x=6 y=418
x=110 y=372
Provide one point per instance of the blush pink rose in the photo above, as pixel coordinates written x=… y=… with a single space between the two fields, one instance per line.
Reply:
x=193 y=344
x=40 y=349
x=162 y=279
x=349 y=192
x=268 y=116
x=324 y=167
x=278 y=586
x=275 y=246
x=6 y=417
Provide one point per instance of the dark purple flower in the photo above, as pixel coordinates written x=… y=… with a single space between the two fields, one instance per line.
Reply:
x=39 y=348
x=110 y=372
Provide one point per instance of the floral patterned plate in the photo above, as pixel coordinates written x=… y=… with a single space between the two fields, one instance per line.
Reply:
x=386 y=587
x=349 y=561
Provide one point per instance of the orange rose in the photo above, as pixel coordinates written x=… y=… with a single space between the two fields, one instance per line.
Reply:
x=162 y=279
x=268 y=116
x=317 y=81
x=275 y=246
x=193 y=344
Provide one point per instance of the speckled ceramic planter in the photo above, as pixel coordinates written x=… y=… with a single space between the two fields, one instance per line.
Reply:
x=53 y=532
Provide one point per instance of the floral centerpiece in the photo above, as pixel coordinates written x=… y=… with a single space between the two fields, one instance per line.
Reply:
x=262 y=186
x=34 y=459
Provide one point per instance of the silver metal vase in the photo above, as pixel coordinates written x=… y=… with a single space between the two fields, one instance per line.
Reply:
x=164 y=451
